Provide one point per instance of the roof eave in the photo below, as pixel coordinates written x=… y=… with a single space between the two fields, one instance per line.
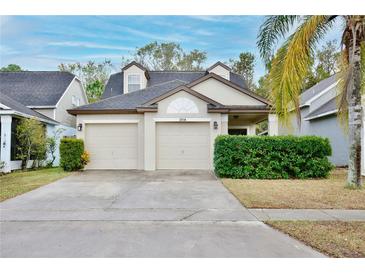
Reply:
x=328 y=113
x=18 y=113
x=239 y=110
x=101 y=111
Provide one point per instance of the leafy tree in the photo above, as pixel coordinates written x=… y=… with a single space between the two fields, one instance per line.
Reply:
x=324 y=64
x=263 y=87
x=11 y=68
x=51 y=148
x=51 y=144
x=292 y=62
x=245 y=66
x=92 y=75
x=167 y=56
x=95 y=89
x=32 y=141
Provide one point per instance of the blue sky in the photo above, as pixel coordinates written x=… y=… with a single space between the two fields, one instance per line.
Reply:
x=43 y=42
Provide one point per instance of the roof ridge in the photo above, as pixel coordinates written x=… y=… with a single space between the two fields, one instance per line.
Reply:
x=141 y=90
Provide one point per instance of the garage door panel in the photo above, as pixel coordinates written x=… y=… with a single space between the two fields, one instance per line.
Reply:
x=183 y=146
x=112 y=146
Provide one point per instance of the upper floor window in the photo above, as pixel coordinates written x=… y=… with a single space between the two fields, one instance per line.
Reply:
x=134 y=82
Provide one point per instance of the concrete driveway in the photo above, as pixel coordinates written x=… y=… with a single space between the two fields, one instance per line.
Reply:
x=138 y=214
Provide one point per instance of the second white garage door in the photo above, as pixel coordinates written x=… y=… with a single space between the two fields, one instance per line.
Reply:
x=183 y=145
x=112 y=146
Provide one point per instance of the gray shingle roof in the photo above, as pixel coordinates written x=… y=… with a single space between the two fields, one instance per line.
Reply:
x=329 y=106
x=313 y=91
x=134 y=99
x=238 y=80
x=35 y=88
x=114 y=85
x=18 y=107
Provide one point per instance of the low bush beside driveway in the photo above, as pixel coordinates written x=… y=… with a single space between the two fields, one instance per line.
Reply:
x=72 y=154
x=272 y=157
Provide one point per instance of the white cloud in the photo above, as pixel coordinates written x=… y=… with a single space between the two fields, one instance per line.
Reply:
x=5 y=50
x=169 y=37
x=88 y=45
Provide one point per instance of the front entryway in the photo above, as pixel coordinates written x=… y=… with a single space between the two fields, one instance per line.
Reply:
x=112 y=146
x=183 y=145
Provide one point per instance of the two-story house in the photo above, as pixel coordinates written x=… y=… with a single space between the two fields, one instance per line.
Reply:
x=42 y=95
x=168 y=119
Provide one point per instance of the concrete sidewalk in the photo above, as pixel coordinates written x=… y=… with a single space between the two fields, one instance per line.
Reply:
x=264 y=214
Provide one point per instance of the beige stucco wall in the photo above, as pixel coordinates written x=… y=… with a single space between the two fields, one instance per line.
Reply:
x=221 y=71
x=162 y=116
x=65 y=103
x=147 y=121
x=49 y=112
x=224 y=94
x=116 y=118
x=133 y=70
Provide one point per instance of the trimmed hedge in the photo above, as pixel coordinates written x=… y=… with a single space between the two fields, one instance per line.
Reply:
x=71 y=151
x=272 y=157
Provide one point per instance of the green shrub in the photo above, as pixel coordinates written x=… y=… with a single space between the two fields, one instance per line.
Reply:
x=71 y=151
x=272 y=157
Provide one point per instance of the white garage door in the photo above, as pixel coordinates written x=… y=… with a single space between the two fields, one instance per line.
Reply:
x=183 y=145
x=112 y=146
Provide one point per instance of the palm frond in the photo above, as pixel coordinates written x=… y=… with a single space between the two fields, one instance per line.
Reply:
x=291 y=63
x=362 y=46
x=344 y=77
x=273 y=29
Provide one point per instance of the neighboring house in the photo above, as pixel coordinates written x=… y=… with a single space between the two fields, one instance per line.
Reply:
x=42 y=95
x=168 y=119
x=318 y=106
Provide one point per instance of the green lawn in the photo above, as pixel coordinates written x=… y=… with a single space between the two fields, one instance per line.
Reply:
x=334 y=238
x=19 y=182
x=318 y=193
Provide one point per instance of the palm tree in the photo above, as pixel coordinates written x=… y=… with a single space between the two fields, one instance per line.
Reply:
x=290 y=65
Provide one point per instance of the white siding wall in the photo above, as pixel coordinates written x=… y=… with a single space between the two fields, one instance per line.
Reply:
x=65 y=103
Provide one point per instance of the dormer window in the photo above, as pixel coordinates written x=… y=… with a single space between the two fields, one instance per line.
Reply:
x=134 y=82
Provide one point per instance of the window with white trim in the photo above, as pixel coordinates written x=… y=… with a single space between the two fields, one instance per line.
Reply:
x=134 y=82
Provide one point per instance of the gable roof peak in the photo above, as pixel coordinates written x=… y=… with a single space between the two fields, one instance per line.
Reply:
x=138 y=65
x=219 y=63
x=134 y=63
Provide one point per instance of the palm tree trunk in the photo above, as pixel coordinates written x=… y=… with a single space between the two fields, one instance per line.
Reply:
x=355 y=119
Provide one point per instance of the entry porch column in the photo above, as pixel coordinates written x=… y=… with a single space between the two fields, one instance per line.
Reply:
x=273 y=127
x=6 y=142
